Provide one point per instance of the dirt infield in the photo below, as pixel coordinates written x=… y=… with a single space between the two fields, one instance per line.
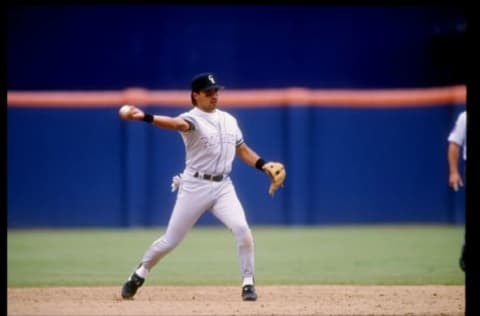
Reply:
x=225 y=300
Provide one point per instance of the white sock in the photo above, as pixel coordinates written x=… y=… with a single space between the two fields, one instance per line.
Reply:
x=142 y=272
x=247 y=281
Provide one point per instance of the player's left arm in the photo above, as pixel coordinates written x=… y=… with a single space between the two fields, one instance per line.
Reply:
x=275 y=170
x=453 y=156
x=248 y=155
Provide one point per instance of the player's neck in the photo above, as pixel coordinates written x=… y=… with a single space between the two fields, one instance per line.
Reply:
x=207 y=111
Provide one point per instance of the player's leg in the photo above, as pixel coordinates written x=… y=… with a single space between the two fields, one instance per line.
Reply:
x=183 y=218
x=230 y=212
x=192 y=201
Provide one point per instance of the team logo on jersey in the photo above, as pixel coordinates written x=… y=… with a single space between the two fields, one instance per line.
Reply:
x=210 y=77
x=215 y=139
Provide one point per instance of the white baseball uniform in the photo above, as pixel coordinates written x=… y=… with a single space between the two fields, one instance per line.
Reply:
x=458 y=135
x=210 y=147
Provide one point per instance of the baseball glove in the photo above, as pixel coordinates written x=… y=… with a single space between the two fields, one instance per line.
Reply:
x=277 y=174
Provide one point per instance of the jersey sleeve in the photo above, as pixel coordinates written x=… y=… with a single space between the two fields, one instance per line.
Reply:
x=238 y=135
x=458 y=133
x=190 y=120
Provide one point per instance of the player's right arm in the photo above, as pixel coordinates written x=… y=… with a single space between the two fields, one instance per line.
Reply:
x=162 y=121
x=168 y=122
x=454 y=179
x=456 y=139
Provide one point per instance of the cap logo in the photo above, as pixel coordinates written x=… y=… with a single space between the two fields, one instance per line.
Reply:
x=210 y=77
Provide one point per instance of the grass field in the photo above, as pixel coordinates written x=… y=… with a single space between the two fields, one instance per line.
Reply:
x=396 y=255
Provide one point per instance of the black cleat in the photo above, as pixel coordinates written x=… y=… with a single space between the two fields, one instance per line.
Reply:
x=248 y=293
x=462 y=259
x=131 y=286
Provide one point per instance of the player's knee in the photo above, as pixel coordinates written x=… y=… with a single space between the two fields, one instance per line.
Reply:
x=243 y=235
x=164 y=245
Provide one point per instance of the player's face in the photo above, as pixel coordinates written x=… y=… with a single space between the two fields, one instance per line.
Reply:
x=207 y=100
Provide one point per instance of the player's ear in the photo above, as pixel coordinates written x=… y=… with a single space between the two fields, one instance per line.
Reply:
x=194 y=102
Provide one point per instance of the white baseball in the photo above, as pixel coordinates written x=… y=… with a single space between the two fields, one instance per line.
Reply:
x=124 y=111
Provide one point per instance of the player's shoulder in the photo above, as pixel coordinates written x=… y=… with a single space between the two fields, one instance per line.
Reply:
x=189 y=113
x=190 y=117
x=462 y=118
x=226 y=114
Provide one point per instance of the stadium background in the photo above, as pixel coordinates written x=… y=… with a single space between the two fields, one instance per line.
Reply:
x=83 y=167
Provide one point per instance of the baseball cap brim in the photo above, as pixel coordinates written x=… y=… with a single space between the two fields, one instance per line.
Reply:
x=212 y=87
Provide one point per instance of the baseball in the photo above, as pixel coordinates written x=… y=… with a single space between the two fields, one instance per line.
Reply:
x=124 y=111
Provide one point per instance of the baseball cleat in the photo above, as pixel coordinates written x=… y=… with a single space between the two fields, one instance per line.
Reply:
x=131 y=286
x=248 y=293
x=462 y=259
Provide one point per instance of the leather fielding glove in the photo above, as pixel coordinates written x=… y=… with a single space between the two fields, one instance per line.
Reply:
x=276 y=171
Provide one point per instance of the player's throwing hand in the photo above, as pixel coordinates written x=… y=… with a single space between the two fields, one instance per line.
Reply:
x=130 y=112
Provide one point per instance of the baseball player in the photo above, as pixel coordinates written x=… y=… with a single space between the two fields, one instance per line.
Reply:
x=212 y=138
x=456 y=140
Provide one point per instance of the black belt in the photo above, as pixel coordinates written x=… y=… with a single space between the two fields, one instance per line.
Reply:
x=209 y=177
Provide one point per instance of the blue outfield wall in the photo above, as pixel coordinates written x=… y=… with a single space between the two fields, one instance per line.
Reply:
x=87 y=168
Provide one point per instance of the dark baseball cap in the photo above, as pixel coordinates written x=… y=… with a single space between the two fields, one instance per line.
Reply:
x=204 y=82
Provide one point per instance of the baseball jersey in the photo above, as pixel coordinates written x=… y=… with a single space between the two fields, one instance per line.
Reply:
x=458 y=135
x=211 y=142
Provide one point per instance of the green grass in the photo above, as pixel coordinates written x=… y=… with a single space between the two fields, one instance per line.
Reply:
x=284 y=255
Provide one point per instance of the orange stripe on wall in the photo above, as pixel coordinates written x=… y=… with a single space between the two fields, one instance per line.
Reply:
x=378 y=98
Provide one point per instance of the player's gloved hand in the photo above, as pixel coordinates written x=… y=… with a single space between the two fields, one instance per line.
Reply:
x=276 y=171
